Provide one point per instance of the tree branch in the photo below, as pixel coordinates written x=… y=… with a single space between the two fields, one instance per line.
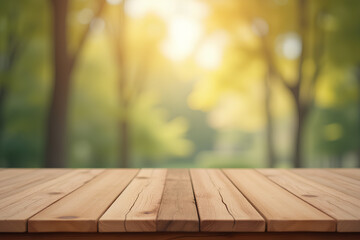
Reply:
x=302 y=27
x=73 y=58
x=272 y=68
x=318 y=55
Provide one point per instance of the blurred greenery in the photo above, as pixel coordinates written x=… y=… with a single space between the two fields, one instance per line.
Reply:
x=202 y=79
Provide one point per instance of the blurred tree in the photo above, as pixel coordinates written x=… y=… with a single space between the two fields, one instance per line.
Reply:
x=64 y=62
x=248 y=94
x=118 y=35
x=301 y=89
x=12 y=45
x=260 y=27
x=344 y=54
x=293 y=52
x=312 y=43
x=23 y=34
x=358 y=114
x=247 y=70
x=133 y=42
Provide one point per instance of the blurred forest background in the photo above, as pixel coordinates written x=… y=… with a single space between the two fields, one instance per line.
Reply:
x=179 y=83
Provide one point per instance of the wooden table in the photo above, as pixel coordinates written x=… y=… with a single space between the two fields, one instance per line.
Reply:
x=179 y=203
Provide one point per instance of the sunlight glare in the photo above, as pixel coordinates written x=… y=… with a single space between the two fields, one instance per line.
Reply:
x=114 y=2
x=289 y=46
x=211 y=51
x=183 y=19
x=184 y=33
x=166 y=9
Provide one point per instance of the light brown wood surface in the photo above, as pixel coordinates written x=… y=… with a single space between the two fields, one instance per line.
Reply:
x=13 y=173
x=184 y=236
x=347 y=172
x=136 y=209
x=222 y=208
x=125 y=203
x=80 y=210
x=341 y=183
x=15 y=214
x=27 y=180
x=177 y=211
x=343 y=208
x=283 y=211
x=19 y=195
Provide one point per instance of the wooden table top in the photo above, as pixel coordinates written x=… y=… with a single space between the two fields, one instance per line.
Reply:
x=179 y=200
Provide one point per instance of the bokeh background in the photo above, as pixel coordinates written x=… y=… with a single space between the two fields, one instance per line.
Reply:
x=179 y=83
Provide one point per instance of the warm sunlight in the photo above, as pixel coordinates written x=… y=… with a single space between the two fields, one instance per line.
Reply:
x=183 y=34
x=136 y=83
x=210 y=53
x=179 y=119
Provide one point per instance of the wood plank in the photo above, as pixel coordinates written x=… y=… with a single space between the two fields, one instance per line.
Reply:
x=222 y=208
x=80 y=210
x=13 y=172
x=18 y=209
x=27 y=180
x=283 y=211
x=12 y=198
x=347 y=172
x=177 y=209
x=338 y=182
x=183 y=235
x=345 y=209
x=136 y=209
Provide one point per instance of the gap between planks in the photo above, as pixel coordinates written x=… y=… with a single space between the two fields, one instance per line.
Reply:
x=14 y=217
x=80 y=210
x=343 y=208
x=221 y=206
x=283 y=211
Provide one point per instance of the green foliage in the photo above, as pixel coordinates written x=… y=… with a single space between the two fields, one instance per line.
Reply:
x=94 y=110
x=25 y=81
x=166 y=126
x=154 y=136
x=331 y=25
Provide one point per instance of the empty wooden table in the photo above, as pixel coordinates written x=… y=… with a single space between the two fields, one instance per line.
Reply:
x=179 y=203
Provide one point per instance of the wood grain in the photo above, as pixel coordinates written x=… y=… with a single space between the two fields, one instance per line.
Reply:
x=27 y=180
x=13 y=172
x=136 y=209
x=10 y=198
x=347 y=172
x=14 y=216
x=341 y=183
x=80 y=210
x=217 y=202
x=345 y=209
x=222 y=208
x=283 y=211
x=183 y=236
x=177 y=209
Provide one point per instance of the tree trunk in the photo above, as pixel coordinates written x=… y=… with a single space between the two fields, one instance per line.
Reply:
x=358 y=147
x=124 y=130
x=298 y=135
x=299 y=108
x=10 y=57
x=358 y=120
x=55 y=152
x=55 y=155
x=271 y=160
x=124 y=144
x=3 y=94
